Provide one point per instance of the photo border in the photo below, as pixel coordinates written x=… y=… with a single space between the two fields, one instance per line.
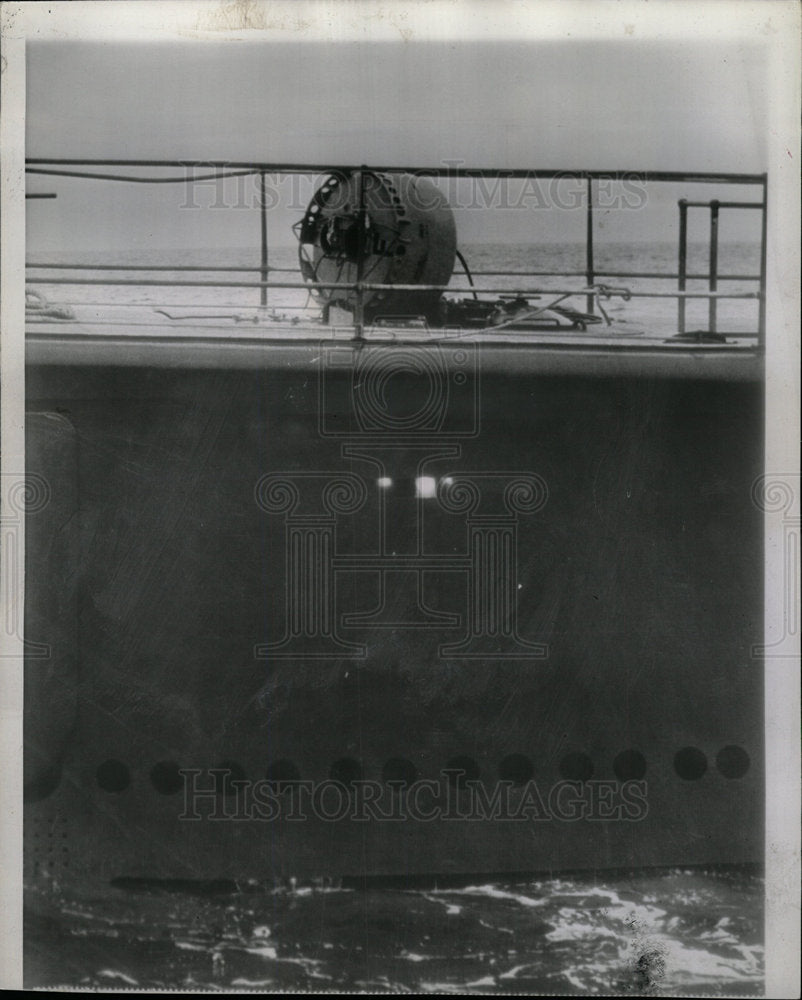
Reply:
x=775 y=21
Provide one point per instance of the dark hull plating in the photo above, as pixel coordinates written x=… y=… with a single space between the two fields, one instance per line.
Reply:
x=155 y=575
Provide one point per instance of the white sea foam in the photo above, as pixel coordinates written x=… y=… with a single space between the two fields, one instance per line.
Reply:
x=685 y=965
x=491 y=892
x=264 y=951
x=114 y=974
x=190 y=946
x=576 y=930
x=496 y=927
x=513 y=972
x=573 y=980
x=451 y=909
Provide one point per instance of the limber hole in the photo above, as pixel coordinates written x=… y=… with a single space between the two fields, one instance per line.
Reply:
x=690 y=763
x=732 y=762
x=43 y=787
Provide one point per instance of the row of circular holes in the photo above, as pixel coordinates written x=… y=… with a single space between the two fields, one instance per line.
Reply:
x=630 y=765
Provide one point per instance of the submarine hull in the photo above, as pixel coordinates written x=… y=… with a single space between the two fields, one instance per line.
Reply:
x=291 y=634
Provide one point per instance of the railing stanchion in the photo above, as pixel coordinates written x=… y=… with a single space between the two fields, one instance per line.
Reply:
x=359 y=307
x=589 y=272
x=713 y=271
x=761 y=323
x=263 y=214
x=682 y=267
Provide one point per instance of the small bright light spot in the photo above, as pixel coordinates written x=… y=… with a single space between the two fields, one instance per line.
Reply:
x=447 y=481
x=520 y=586
x=384 y=482
x=425 y=486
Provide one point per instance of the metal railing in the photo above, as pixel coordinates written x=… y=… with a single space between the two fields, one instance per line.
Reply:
x=712 y=275
x=221 y=170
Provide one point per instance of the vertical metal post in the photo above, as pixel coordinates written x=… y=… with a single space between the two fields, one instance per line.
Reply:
x=589 y=270
x=683 y=262
x=263 y=213
x=712 y=277
x=762 y=305
x=359 y=310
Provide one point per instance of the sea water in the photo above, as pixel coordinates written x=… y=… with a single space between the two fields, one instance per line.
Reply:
x=675 y=933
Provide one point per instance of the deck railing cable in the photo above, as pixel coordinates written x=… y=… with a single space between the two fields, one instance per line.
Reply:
x=599 y=272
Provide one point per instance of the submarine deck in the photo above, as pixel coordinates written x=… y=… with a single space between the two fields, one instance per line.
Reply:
x=132 y=337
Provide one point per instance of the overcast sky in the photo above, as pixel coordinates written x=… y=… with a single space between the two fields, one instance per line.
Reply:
x=629 y=104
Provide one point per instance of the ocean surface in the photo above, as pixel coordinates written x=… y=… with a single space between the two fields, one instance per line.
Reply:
x=670 y=933
x=564 y=259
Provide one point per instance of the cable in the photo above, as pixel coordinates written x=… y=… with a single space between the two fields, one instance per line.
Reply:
x=468 y=274
x=139 y=180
